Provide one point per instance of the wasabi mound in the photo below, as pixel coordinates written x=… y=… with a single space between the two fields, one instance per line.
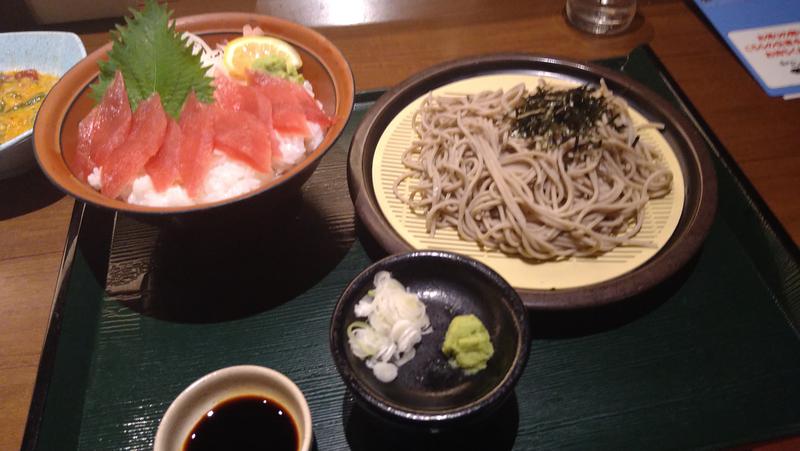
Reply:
x=468 y=344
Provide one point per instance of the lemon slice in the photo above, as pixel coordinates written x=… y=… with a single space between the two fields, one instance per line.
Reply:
x=240 y=53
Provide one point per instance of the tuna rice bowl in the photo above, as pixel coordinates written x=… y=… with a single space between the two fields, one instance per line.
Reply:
x=207 y=124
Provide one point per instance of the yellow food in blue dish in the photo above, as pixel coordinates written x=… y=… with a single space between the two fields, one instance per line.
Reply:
x=21 y=95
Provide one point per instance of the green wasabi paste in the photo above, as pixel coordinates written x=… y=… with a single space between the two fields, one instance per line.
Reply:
x=278 y=67
x=468 y=344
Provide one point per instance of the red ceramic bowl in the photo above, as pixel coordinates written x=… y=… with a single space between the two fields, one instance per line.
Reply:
x=56 y=130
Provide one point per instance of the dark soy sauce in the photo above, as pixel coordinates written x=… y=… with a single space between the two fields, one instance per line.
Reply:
x=246 y=422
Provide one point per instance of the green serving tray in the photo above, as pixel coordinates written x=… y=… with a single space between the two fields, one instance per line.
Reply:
x=709 y=359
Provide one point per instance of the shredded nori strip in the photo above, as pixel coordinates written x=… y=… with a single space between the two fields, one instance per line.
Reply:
x=561 y=115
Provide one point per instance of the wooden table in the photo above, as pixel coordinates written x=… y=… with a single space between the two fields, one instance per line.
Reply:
x=385 y=42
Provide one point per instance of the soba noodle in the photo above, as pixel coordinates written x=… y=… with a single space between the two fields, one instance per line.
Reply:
x=471 y=171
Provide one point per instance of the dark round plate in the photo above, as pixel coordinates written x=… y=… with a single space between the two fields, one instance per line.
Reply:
x=700 y=196
x=428 y=391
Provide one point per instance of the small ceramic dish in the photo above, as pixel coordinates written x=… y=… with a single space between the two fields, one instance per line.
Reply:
x=51 y=52
x=428 y=391
x=324 y=66
x=208 y=392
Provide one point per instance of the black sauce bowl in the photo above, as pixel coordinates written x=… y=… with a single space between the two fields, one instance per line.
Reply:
x=428 y=392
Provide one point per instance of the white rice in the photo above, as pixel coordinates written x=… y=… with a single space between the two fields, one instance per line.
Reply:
x=143 y=193
x=293 y=149
x=230 y=178
x=95 y=179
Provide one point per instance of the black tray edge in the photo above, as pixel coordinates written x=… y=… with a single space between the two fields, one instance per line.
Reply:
x=763 y=213
x=47 y=359
x=30 y=437
x=760 y=206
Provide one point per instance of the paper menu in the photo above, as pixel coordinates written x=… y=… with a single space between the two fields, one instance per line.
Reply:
x=765 y=35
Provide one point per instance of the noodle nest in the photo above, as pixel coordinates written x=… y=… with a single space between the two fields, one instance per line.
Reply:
x=470 y=169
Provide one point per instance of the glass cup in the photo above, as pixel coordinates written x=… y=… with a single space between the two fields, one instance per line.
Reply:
x=601 y=16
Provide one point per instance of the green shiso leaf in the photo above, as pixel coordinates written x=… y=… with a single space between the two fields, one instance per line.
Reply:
x=153 y=57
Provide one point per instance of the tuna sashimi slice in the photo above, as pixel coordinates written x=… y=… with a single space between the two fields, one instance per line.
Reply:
x=111 y=124
x=297 y=93
x=276 y=146
x=260 y=106
x=234 y=96
x=197 y=128
x=310 y=108
x=288 y=116
x=81 y=163
x=228 y=94
x=263 y=110
x=126 y=161
x=290 y=121
x=163 y=168
x=243 y=137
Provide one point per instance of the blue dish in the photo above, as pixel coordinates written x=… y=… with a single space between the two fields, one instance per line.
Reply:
x=52 y=52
